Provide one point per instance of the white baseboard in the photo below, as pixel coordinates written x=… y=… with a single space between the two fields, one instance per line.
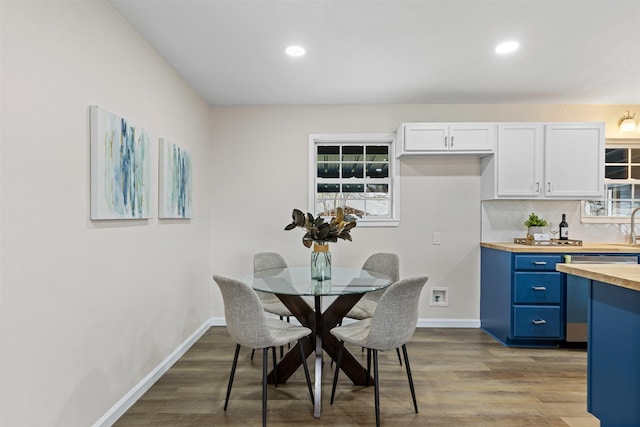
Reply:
x=422 y=323
x=145 y=384
x=217 y=321
x=448 y=323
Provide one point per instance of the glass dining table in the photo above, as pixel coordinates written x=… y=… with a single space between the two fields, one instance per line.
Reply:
x=347 y=285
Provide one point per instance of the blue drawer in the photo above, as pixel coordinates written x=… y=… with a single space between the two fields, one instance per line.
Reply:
x=537 y=322
x=537 y=288
x=537 y=262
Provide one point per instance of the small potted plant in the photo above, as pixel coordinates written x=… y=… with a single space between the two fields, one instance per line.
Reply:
x=534 y=224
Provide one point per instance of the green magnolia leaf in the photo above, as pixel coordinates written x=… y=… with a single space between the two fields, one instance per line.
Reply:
x=290 y=226
x=298 y=218
x=350 y=225
x=323 y=232
x=345 y=235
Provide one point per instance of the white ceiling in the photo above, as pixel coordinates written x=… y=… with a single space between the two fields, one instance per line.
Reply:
x=398 y=51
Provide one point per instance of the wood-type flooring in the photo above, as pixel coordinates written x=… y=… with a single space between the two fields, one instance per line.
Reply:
x=462 y=378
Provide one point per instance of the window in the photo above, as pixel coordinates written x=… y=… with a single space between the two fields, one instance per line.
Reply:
x=357 y=172
x=622 y=178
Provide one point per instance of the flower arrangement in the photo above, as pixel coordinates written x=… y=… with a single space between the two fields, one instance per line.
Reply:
x=318 y=230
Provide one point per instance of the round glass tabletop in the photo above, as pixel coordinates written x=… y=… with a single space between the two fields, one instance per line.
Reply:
x=298 y=281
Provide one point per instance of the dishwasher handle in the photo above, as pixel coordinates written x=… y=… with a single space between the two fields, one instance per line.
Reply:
x=604 y=259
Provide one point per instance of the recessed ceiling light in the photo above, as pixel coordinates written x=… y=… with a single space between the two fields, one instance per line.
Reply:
x=295 y=51
x=507 y=47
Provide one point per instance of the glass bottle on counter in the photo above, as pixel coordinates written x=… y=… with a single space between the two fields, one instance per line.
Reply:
x=564 y=228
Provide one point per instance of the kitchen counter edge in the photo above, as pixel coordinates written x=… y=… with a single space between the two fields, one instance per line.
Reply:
x=622 y=275
x=564 y=249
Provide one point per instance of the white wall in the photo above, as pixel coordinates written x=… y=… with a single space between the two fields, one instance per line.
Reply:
x=260 y=174
x=87 y=309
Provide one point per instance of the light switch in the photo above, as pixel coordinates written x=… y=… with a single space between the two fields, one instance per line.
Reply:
x=436 y=237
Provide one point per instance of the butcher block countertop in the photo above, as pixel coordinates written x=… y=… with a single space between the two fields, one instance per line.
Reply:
x=623 y=275
x=565 y=249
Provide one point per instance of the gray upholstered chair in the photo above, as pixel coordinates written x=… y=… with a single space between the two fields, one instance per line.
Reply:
x=250 y=327
x=270 y=302
x=391 y=326
x=387 y=264
x=265 y=261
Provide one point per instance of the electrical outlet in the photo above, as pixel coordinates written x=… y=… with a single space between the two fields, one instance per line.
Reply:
x=437 y=237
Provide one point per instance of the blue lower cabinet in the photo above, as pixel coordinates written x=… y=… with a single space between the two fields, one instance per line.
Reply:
x=613 y=368
x=522 y=297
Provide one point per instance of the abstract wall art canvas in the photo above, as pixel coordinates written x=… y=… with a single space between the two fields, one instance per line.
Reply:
x=120 y=168
x=174 y=181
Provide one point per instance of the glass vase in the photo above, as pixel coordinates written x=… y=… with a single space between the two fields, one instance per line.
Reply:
x=321 y=262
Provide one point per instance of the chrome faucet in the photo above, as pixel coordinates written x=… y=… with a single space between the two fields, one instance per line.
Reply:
x=632 y=235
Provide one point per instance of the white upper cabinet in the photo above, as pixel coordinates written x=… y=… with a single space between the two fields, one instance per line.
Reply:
x=574 y=160
x=546 y=160
x=519 y=160
x=423 y=139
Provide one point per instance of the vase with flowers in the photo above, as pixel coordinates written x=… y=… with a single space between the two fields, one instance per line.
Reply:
x=319 y=233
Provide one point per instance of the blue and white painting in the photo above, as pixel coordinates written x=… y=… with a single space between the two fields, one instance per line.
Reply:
x=120 y=168
x=175 y=181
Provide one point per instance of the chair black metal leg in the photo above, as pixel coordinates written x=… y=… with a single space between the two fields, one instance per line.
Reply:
x=275 y=367
x=376 y=387
x=406 y=364
x=335 y=374
x=265 y=366
x=306 y=371
x=399 y=358
x=281 y=347
x=233 y=372
x=368 y=365
x=253 y=351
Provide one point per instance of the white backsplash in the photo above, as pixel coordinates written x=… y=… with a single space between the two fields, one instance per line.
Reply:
x=502 y=220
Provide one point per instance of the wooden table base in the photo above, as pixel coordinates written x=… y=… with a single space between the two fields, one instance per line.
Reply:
x=320 y=323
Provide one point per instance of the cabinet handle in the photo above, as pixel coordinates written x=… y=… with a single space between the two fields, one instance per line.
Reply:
x=539 y=322
x=539 y=288
x=540 y=262
x=452 y=140
x=445 y=141
x=549 y=187
x=537 y=186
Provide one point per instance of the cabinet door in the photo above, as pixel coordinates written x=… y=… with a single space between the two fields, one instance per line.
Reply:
x=574 y=160
x=472 y=137
x=519 y=160
x=425 y=137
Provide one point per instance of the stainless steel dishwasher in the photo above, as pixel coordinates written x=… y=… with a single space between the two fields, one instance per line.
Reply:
x=578 y=294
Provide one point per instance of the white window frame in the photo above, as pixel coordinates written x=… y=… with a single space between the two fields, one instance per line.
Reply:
x=359 y=138
x=620 y=219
